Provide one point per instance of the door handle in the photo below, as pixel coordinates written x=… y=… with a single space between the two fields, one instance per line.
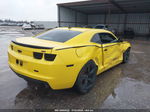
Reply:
x=105 y=49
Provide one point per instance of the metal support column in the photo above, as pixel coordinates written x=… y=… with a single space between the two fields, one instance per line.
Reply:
x=59 y=16
x=76 y=18
x=125 y=21
x=105 y=18
x=109 y=18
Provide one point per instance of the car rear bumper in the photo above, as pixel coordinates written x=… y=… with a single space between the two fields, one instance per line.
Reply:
x=35 y=81
x=57 y=75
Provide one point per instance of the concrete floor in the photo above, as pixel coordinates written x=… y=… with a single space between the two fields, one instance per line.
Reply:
x=126 y=86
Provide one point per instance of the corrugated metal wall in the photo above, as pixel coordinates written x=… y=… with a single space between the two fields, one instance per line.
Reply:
x=81 y=19
x=139 y=22
x=69 y=17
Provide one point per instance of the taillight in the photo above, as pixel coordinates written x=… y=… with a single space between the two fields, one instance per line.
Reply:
x=49 y=57
x=37 y=55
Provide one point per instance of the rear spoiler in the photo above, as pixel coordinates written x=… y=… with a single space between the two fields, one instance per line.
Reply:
x=31 y=46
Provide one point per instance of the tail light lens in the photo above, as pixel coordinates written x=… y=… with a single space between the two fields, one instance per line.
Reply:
x=49 y=57
x=37 y=55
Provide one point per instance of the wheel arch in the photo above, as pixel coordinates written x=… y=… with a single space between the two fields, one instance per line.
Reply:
x=78 y=82
x=127 y=49
x=126 y=45
x=83 y=66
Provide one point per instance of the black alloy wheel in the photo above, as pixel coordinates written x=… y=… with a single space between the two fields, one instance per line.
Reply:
x=126 y=55
x=86 y=78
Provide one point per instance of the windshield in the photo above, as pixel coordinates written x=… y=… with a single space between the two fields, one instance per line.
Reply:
x=58 y=35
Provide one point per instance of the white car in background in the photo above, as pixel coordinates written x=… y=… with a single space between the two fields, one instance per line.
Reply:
x=26 y=26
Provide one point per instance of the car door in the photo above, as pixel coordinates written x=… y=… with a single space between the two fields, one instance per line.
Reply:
x=111 y=50
x=98 y=53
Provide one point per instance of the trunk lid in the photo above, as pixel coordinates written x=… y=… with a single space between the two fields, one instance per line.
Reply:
x=32 y=41
x=28 y=46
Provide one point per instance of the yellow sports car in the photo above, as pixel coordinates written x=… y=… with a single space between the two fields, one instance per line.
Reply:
x=67 y=57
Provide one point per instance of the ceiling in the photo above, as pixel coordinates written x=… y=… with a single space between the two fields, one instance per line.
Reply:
x=109 y=6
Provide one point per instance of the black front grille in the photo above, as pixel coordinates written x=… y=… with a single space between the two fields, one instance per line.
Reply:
x=49 y=57
x=37 y=55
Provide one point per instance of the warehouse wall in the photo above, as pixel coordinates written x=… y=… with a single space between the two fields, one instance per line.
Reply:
x=139 y=22
x=68 y=17
x=81 y=19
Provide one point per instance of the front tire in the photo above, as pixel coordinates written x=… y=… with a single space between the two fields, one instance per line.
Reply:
x=86 y=78
x=126 y=55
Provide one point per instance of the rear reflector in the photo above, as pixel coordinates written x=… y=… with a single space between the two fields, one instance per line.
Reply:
x=49 y=57
x=37 y=55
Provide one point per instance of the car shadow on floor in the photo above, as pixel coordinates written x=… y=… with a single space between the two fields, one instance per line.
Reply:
x=69 y=98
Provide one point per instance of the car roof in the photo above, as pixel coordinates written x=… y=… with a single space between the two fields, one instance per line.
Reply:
x=84 y=37
x=83 y=29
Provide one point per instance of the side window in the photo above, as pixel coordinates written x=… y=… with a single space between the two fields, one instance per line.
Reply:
x=96 y=38
x=107 y=38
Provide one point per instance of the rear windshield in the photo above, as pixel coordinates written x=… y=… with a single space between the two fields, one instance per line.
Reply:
x=58 y=35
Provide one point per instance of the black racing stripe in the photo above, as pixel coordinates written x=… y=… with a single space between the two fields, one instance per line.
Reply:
x=110 y=45
x=85 y=46
x=78 y=47
x=31 y=46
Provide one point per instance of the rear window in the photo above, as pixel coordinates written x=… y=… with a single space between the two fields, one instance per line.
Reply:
x=58 y=35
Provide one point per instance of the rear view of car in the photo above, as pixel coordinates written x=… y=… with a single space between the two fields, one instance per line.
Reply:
x=41 y=59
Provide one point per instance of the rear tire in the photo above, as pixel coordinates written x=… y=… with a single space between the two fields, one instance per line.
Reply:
x=126 y=55
x=86 y=78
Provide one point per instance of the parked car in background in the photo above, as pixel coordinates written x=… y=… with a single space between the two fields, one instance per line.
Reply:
x=19 y=24
x=105 y=27
x=129 y=33
x=39 y=26
x=101 y=26
x=86 y=26
x=12 y=24
x=3 y=24
x=26 y=26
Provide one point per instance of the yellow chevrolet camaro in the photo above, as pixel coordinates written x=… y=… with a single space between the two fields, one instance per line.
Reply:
x=67 y=57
